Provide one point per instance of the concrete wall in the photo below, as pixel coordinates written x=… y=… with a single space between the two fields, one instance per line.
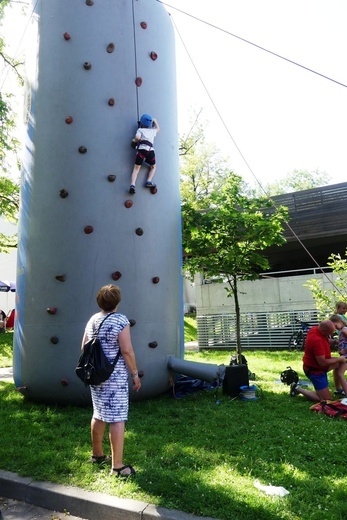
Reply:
x=264 y=295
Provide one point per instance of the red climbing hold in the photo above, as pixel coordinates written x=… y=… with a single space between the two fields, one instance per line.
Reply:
x=143 y=25
x=63 y=194
x=128 y=203
x=67 y=36
x=52 y=310
x=88 y=230
x=82 y=149
x=111 y=178
x=154 y=55
x=116 y=275
x=139 y=231
x=87 y=65
x=138 y=82
x=111 y=102
x=68 y=120
x=156 y=279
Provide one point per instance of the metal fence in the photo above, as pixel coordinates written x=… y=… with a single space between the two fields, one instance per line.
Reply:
x=258 y=329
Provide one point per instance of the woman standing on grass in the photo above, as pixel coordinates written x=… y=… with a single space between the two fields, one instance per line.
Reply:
x=111 y=398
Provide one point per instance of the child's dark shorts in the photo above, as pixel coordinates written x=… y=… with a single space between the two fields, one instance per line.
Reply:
x=145 y=155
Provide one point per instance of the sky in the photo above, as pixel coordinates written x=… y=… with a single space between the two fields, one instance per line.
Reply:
x=268 y=116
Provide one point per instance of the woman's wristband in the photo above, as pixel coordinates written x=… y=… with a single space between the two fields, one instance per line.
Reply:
x=135 y=374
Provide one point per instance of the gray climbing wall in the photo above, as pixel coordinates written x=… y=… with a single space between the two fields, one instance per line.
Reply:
x=94 y=68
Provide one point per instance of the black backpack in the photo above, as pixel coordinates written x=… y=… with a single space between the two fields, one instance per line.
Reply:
x=289 y=376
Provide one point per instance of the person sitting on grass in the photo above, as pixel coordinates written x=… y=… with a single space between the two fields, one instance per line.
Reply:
x=340 y=310
x=317 y=362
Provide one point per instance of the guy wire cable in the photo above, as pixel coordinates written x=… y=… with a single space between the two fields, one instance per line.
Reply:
x=20 y=41
x=246 y=162
x=255 y=45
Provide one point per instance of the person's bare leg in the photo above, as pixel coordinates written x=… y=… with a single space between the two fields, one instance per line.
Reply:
x=314 y=395
x=151 y=173
x=135 y=173
x=97 y=433
x=339 y=373
x=116 y=435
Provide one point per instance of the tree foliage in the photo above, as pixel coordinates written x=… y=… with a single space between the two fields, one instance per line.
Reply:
x=202 y=169
x=227 y=234
x=330 y=290
x=298 y=180
x=9 y=190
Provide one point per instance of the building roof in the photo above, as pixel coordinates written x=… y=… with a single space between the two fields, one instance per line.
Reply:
x=316 y=222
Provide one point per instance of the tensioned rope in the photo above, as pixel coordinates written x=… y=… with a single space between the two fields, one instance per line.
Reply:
x=20 y=41
x=255 y=45
x=242 y=155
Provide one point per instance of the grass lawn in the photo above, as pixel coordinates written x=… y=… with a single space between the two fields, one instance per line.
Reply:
x=190 y=330
x=200 y=454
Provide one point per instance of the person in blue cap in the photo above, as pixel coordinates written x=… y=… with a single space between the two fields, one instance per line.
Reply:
x=143 y=143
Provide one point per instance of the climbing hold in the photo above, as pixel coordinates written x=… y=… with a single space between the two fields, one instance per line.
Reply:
x=139 y=231
x=111 y=102
x=88 y=230
x=153 y=344
x=82 y=149
x=154 y=190
x=60 y=277
x=116 y=275
x=52 y=310
x=54 y=340
x=132 y=323
x=67 y=36
x=154 y=55
x=111 y=178
x=138 y=82
x=141 y=373
x=87 y=65
x=64 y=382
x=89 y=2
x=110 y=47
x=143 y=25
x=155 y=279
x=128 y=203
x=63 y=193
x=68 y=120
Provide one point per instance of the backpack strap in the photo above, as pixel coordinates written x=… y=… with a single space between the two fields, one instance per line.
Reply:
x=96 y=332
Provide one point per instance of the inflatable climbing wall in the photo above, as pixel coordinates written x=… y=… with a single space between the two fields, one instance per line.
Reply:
x=94 y=67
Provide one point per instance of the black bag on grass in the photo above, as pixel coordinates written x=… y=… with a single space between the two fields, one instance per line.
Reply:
x=289 y=376
x=93 y=367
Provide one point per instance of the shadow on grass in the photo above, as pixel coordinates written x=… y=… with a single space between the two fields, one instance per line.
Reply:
x=200 y=454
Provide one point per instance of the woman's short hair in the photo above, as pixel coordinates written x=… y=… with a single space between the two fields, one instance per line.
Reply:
x=340 y=304
x=108 y=297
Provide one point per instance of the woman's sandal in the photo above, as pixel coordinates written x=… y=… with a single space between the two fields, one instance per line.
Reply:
x=118 y=471
x=100 y=460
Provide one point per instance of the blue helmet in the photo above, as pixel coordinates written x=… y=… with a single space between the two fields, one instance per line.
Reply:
x=146 y=120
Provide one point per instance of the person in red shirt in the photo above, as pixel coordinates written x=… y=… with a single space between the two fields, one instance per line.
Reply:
x=317 y=362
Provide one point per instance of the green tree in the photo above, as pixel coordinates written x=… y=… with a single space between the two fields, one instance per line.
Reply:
x=326 y=296
x=298 y=180
x=9 y=166
x=202 y=169
x=227 y=235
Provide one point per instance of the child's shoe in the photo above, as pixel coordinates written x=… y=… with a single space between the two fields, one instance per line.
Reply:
x=150 y=184
x=132 y=189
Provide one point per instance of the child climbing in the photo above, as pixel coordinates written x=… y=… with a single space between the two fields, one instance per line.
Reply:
x=143 y=142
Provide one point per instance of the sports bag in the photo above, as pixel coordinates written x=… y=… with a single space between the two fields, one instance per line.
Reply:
x=93 y=367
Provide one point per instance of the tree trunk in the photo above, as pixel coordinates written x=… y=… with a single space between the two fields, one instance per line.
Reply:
x=238 y=321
